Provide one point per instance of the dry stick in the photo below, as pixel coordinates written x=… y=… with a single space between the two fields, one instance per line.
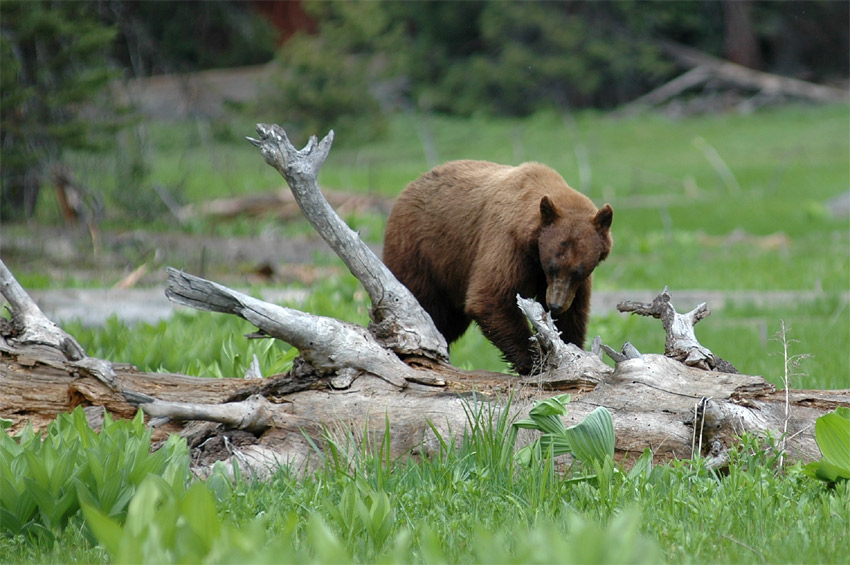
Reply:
x=787 y=393
x=719 y=165
x=787 y=363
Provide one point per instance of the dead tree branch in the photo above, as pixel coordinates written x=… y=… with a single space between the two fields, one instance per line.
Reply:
x=399 y=323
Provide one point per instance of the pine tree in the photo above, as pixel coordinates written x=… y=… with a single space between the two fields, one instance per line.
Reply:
x=53 y=65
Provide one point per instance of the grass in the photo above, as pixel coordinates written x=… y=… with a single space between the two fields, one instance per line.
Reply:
x=470 y=503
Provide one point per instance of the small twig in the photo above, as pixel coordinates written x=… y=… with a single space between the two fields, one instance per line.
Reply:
x=742 y=544
x=788 y=363
x=719 y=165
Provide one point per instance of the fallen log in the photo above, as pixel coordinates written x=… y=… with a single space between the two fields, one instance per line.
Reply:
x=744 y=77
x=279 y=204
x=702 y=67
x=353 y=382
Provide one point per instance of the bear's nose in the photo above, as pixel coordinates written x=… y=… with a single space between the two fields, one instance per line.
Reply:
x=555 y=309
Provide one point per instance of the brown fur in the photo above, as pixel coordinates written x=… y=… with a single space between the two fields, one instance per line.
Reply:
x=467 y=236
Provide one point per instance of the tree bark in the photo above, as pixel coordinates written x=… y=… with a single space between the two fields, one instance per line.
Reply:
x=350 y=384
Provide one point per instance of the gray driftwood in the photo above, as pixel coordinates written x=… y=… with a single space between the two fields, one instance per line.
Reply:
x=351 y=382
x=703 y=68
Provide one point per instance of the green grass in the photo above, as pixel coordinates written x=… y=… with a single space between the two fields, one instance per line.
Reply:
x=471 y=503
x=741 y=333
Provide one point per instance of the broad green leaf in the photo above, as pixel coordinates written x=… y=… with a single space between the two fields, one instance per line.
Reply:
x=555 y=406
x=327 y=546
x=198 y=507
x=828 y=472
x=559 y=444
x=832 y=432
x=592 y=440
x=643 y=466
x=106 y=530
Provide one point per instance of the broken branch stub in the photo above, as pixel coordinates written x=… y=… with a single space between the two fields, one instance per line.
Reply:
x=399 y=322
x=681 y=342
x=30 y=325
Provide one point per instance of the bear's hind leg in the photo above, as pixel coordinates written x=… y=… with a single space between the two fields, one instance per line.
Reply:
x=451 y=322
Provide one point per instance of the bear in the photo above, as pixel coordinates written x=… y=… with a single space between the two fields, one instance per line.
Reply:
x=468 y=236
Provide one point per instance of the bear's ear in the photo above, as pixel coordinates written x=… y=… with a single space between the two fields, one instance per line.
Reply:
x=548 y=212
x=603 y=218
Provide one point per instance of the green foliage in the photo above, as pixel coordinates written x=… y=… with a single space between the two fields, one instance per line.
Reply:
x=328 y=80
x=43 y=482
x=167 y=37
x=164 y=526
x=168 y=525
x=534 y=56
x=591 y=440
x=515 y=58
x=54 y=64
x=173 y=346
x=832 y=432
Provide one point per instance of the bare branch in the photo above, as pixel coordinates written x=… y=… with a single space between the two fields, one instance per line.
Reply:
x=681 y=342
x=328 y=344
x=399 y=322
x=30 y=324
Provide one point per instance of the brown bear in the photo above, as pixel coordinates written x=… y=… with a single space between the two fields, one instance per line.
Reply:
x=468 y=236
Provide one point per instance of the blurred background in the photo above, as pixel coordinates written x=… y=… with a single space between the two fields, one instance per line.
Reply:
x=718 y=130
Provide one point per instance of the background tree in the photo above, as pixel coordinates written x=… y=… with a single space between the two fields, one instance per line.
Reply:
x=54 y=62
x=515 y=58
x=169 y=37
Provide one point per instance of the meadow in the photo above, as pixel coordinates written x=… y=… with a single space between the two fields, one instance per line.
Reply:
x=724 y=202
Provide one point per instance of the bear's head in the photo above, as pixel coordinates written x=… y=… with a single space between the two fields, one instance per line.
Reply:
x=571 y=243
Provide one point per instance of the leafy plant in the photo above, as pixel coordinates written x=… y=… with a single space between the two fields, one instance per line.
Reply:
x=44 y=481
x=363 y=511
x=591 y=440
x=832 y=432
x=165 y=525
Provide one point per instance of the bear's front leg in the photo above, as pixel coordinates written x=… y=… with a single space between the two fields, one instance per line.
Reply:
x=506 y=328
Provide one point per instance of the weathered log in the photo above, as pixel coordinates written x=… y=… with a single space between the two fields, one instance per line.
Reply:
x=744 y=77
x=360 y=382
x=703 y=67
x=281 y=204
x=655 y=401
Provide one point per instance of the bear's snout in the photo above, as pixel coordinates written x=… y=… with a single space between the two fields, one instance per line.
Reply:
x=559 y=297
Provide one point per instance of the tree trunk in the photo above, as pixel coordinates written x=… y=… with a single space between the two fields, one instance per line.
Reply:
x=352 y=382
